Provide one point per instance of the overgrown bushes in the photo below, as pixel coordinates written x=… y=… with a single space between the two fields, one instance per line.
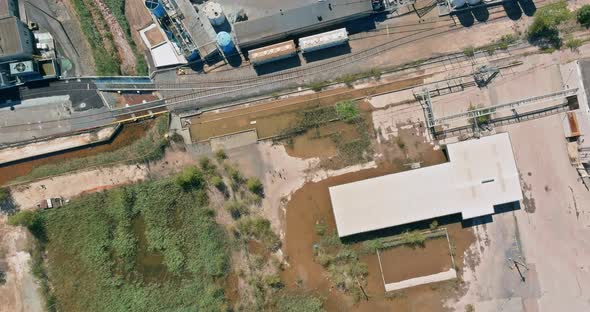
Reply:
x=583 y=16
x=259 y=229
x=97 y=244
x=347 y=110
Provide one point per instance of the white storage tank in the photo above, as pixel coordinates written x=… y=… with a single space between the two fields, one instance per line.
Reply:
x=474 y=2
x=457 y=3
x=323 y=40
x=214 y=13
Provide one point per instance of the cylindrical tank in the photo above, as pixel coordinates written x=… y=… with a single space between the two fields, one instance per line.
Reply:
x=474 y=2
x=224 y=42
x=214 y=13
x=156 y=8
x=193 y=56
x=457 y=3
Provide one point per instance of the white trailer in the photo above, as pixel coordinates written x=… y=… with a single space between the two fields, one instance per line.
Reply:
x=323 y=40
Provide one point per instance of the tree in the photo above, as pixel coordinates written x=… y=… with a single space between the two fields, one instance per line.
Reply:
x=32 y=220
x=220 y=155
x=543 y=31
x=583 y=16
x=347 y=110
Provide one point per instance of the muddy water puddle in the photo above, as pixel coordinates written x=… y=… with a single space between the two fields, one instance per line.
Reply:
x=148 y=264
x=311 y=204
x=127 y=135
x=405 y=262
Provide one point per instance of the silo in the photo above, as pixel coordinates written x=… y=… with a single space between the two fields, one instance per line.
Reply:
x=214 y=13
x=224 y=42
x=457 y=3
x=156 y=8
x=474 y=2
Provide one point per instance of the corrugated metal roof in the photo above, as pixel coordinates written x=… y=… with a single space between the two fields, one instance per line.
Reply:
x=10 y=40
x=481 y=173
x=299 y=20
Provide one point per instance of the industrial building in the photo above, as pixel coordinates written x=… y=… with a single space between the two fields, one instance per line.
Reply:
x=480 y=175
x=297 y=21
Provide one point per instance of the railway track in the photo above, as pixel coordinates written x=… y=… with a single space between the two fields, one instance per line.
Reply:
x=202 y=89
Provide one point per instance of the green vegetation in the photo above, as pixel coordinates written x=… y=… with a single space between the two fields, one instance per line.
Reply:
x=544 y=30
x=259 y=229
x=469 y=308
x=413 y=238
x=482 y=119
x=433 y=225
x=469 y=51
x=573 y=44
x=107 y=64
x=117 y=7
x=353 y=151
x=317 y=86
x=190 y=178
x=237 y=209
x=298 y=303
x=255 y=186
x=220 y=155
x=344 y=267
x=347 y=110
x=583 y=16
x=148 y=148
x=502 y=44
x=4 y=194
x=146 y=247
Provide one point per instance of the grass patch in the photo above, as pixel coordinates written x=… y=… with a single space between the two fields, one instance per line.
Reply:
x=259 y=229
x=298 y=303
x=148 y=148
x=469 y=51
x=573 y=44
x=317 y=86
x=96 y=255
x=347 y=110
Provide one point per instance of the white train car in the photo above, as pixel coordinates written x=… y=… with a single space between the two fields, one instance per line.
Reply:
x=323 y=40
x=272 y=53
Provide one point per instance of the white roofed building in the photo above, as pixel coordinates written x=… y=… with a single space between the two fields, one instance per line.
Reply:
x=481 y=174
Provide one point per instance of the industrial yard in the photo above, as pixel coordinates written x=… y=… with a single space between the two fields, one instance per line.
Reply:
x=253 y=155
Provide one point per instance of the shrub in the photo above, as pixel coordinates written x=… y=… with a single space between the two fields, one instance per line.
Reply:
x=32 y=220
x=413 y=238
x=220 y=155
x=236 y=209
x=469 y=308
x=217 y=182
x=255 y=186
x=190 y=178
x=318 y=86
x=4 y=194
x=573 y=44
x=583 y=16
x=347 y=110
x=320 y=228
x=469 y=51
x=433 y=225
x=259 y=229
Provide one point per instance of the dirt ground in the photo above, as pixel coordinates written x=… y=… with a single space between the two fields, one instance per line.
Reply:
x=20 y=293
x=138 y=17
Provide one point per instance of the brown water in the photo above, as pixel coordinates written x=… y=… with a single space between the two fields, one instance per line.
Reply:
x=433 y=258
x=127 y=135
x=148 y=264
x=311 y=204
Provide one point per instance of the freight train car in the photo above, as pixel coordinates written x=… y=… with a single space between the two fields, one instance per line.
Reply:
x=272 y=53
x=323 y=40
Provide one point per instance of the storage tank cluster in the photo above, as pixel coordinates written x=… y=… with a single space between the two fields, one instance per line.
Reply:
x=457 y=4
x=156 y=7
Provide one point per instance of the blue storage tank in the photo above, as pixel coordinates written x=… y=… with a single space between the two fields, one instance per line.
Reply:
x=193 y=56
x=156 y=8
x=224 y=42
